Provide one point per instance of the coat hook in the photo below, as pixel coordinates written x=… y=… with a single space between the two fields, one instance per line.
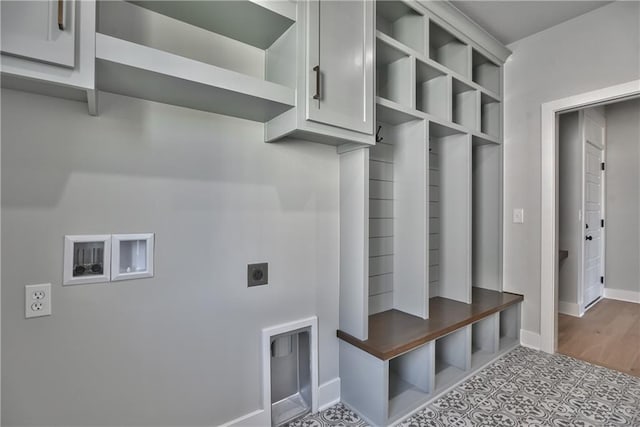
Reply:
x=378 y=137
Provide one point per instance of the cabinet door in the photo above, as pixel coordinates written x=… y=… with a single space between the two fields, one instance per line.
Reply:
x=340 y=63
x=40 y=30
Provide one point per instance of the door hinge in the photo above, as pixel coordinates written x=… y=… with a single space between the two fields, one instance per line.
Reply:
x=601 y=279
x=602 y=165
x=602 y=223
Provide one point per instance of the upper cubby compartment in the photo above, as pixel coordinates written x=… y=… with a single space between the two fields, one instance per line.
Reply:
x=432 y=91
x=486 y=73
x=449 y=50
x=464 y=105
x=256 y=23
x=187 y=54
x=400 y=21
x=393 y=72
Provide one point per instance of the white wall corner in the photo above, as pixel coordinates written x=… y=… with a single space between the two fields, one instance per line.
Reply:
x=329 y=394
x=622 y=295
x=569 y=308
x=529 y=339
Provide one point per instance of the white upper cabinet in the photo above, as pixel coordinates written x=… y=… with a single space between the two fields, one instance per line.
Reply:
x=40 y=30
x=340 y=64
x=48 y=47
x=334 y=74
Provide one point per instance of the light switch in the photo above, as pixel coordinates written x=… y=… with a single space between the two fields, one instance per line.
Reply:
x=518 y=216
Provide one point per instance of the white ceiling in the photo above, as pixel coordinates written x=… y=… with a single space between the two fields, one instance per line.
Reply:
x=509 y=20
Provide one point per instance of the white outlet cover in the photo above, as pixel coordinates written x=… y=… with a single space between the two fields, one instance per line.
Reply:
x=132 y=256
x=37 y=300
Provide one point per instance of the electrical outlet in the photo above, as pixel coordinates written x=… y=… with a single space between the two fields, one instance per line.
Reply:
x=37 y=300
x=257 y=274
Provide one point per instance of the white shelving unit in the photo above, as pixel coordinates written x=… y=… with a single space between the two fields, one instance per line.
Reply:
x=211 y=56
x=433 y=189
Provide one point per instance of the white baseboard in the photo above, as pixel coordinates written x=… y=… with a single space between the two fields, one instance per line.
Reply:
x=255 y=418
x=328 y=394
x=570 y=308
x=622 y=295
x=529 y=339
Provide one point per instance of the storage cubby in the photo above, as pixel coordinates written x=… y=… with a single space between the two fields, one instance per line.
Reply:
x=402 y=22
x=448 y=50
x=464 y=105
x=449 y=215
x=393 y=74
x=484 y=340
x=452 y=358
x=491 y=113
x=410 y=380
x=486 y=215
x=486 y=73
x=432 y=91
x=509 y=327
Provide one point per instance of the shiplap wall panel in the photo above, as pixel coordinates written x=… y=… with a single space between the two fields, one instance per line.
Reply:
x=434 y=215
x=380 y=227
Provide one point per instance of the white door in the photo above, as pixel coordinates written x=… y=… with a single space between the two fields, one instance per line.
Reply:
x=593 y=243
x=340 y=63
x=43 y=30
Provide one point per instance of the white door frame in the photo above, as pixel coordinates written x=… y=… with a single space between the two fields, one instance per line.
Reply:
x=549 y=198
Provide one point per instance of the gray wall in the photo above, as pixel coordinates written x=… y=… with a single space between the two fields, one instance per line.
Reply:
x=623 y=197
x=595 y=50
x=181 y=348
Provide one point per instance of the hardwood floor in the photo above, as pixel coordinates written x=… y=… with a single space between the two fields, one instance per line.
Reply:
x=607 y=335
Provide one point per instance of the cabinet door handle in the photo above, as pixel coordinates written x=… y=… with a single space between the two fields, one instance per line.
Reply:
x=589 y=237
x=61 y=15
x=317 y=70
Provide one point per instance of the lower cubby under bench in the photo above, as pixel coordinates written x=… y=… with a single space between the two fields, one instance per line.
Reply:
x=407 y=361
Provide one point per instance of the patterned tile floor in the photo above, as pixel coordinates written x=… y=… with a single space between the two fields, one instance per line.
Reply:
x=523 y=388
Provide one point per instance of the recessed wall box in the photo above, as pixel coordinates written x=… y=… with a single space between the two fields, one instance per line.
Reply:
x=87 y=259
x=131 y=256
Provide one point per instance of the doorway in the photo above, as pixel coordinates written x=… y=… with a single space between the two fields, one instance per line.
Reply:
x=549 y=202
x=582 y=139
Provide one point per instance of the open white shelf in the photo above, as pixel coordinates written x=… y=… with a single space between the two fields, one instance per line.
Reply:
x=402 y=22
x=448 y=50
x=465 y=105
x=490 y=115
x=432 y=91
x=139 y=71
x=258 y=23
x=486 y=73
x=394 y=114
x=393 y=72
